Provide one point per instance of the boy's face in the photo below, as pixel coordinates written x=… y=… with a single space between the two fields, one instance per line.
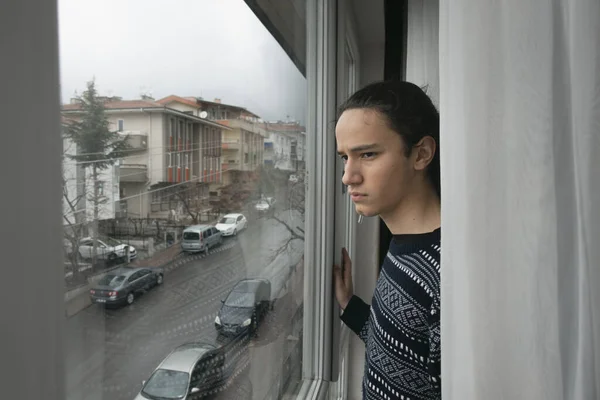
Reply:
x=377 y=171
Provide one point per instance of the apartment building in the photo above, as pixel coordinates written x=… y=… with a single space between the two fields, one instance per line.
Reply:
x=172 y=151
x=284 y=147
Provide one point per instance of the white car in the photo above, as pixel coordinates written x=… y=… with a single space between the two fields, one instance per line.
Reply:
x=262 y=206
x=231 y=224
x=293 y=178
x=107 y=249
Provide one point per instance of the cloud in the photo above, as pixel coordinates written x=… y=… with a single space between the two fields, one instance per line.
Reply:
x=208 y=48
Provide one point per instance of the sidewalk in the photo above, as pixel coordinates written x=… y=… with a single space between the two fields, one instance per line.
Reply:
x=160 y=258
x=78 y=299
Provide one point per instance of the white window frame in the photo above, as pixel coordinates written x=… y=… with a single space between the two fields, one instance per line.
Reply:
x=330 y=217
x=319 y=306
x=348 y=61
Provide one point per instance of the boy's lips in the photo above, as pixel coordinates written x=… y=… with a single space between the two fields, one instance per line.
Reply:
x=356 y=196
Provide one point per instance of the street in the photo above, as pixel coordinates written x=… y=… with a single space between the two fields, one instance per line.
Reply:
x=109 y=352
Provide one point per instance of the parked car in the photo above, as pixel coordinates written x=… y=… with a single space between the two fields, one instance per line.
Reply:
x=265 y=204
x=107 y=249
x=122 y=285
x=231 y=224
x=199 y=238
x=245 y=306
x=195 y=370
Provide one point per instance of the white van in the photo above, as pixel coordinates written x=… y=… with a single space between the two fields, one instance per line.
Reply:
x=198 y=238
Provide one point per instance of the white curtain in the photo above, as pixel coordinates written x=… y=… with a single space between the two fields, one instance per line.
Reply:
x=422 y=46
x=520 y=139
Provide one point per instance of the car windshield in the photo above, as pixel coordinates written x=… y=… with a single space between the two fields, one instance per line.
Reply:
x=111 y=280
x=227 y=221
x=166 y=384
x=238 y=299
x=191 y=236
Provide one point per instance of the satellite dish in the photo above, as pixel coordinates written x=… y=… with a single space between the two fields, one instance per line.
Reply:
x=203 y=114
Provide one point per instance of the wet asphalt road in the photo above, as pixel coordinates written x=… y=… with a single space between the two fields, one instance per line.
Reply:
x=109 y=352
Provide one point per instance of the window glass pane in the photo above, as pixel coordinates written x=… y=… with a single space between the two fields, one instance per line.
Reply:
x=191 y=236
x=201 y=139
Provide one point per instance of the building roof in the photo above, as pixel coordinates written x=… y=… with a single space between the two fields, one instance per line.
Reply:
x=120 y=105
x=177 y=99
x=142 y=105
x=213 y=103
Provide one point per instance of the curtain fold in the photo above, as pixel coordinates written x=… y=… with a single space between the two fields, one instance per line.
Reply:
x=520 y=112
x=422 y=46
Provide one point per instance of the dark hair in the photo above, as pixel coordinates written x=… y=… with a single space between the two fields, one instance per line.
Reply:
x=408 y=110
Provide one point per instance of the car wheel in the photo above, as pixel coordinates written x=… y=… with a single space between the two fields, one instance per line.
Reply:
x=254 y=329
x=221 y=240
x=159 y=279
x=130 y=298
x=235 y=232
x=112 y=257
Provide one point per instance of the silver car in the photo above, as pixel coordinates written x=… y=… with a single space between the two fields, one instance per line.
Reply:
x=191 y=371
x=199 y=238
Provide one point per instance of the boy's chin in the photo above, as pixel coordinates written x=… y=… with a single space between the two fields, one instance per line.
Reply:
x=366 y=212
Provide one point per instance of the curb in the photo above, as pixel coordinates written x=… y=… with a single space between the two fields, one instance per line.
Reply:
x=77 y=299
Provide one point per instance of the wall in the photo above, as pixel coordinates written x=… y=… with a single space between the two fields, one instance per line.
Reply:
x=138 y=205
x=32 y=333
x=157 y=143
x=233 y=135
x=80 y=187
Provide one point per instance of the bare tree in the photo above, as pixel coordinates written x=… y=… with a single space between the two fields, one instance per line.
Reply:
x=293 y=204
x=192 y=197
x=73 y=215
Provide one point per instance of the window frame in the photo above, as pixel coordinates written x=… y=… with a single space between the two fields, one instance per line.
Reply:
x=319 y=304
x=331 y=34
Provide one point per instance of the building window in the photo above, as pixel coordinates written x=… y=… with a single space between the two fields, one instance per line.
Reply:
x=120 y=125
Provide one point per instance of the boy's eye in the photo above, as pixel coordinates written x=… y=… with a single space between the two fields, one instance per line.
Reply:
x=368 y=154
x=344 y=158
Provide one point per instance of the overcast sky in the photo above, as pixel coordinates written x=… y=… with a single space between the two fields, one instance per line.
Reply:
x=208 y=48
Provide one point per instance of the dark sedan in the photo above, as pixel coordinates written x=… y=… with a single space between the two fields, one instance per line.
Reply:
x=244 y=308
x=122 y=285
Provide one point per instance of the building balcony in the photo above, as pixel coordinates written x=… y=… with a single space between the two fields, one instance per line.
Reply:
x=137 y=140
x=230 y=144
x=231 y=164
x=133 y=173
x=254 y=127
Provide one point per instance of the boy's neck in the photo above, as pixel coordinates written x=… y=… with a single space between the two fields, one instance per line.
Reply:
x=419 y=213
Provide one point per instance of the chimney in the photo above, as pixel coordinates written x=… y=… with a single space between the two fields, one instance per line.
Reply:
x=217 y=100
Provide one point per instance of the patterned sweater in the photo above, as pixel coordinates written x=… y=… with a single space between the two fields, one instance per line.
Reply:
x=401 y=328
